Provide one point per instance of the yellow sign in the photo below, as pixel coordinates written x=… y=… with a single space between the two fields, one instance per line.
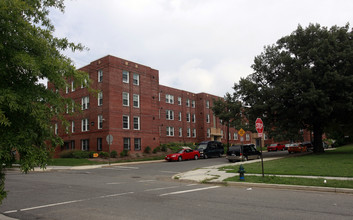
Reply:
x=241 y=132
x=95 y=155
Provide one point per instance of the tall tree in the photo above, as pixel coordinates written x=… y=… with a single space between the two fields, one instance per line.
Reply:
x=28 y=53
x=304 y=81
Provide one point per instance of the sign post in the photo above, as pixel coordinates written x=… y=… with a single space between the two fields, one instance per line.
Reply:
x=259 y=125
x=109 y=141
x=241 y=132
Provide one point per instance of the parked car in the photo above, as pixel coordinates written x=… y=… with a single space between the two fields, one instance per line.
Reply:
x=297 y=147
x=184 y=154
x=210 y=149
x=242 y=152
x=286 y=146
x=275 y=147
x=309 y=146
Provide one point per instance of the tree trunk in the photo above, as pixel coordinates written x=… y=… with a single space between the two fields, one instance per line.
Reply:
x=318 y=131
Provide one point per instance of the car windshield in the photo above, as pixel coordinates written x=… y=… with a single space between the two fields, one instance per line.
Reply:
x=202 y=147
x=273 y=145
x=180 y=152
x=232 y=148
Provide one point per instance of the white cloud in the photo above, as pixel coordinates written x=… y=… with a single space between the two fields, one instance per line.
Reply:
x=197 y=45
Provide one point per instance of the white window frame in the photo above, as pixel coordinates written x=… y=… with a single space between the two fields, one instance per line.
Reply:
x=136 y=100
x=56 y=131
x=100 y=98
x=187 y=102
x=169 y=99
x=136 y=79
x=207 y=118
x=85 y=144
x=170 y=131
x=179 y=117
x=193 y=118
x=126 y=79
x=72 y=127
x=137 y=144
x=247 y=137
x=188 y=117
x=235 y=136
x=194 y=133
x=208 y=132
x=193 y=103
x=128 y=144
x=169 y=114
x=85 y=103
x=207 y=104
x=66 y=89
x=180 y=132
x=72 y=86
x=127 y=123
x=84 y=125
x=179 y=101
x=100 y=121
x=188 y=131
x=126 y=98
x=100 y=75
x=136 y=122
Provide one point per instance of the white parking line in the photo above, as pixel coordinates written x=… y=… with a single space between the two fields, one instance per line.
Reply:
x=156 y=189
x=64 y=203
x=191 y=190
x=146 y=181
x=114 y=183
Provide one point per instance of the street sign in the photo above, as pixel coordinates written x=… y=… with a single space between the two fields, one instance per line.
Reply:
x=259 y=126
x=241 y=132
x=109 y=139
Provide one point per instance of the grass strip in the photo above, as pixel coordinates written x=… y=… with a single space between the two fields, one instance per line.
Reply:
x=294 y=181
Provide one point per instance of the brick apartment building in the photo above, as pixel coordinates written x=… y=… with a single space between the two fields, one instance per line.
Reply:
x=138 y=112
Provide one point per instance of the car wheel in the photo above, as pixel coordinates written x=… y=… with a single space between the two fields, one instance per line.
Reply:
x=219 y=155
x=231 y=161
x=205 y=156
x=196 y=157
x=180 y=158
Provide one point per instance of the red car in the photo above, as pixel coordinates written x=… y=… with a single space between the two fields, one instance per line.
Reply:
x=184 y=154
x=275 y=147
x=297 y=147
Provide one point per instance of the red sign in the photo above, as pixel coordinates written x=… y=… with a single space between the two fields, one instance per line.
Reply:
x=259 y=125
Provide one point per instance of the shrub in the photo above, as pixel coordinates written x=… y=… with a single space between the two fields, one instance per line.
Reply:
x=104 y=154
x=114 y=154
x=82 y=154
x=147 y=150
x=157 y=149
x=163 y=148
x=124 y=153
x=66 y=154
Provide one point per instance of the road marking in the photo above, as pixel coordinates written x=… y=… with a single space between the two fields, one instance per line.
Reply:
x=114 y=183
x=145 y=181
x=191 y=190
x=68 y=202
x=156 y=189
x=162 y=171
x=194 y=184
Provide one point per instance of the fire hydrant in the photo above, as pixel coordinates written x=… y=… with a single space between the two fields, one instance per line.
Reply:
x=241 y=172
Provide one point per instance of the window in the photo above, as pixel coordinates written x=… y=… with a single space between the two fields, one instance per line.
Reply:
x=235 y=136
x=222 y=133
x=99 y=144
x=169 y=99
x=187 y=103
x=73 y=106
x=170 y=131
x=208 y=132
x=67 y=89
x=193 y=103
x=188 y=117
x=179 y=117
x=229 y=136
x=72 y=86
x=72 y=144
x=169 y=114
x=100 y=121
x=193 y=118
x=125 y=99
x=136 y=79
x=126 y=143
x=180 y=132
x=72 y=127
x=125 y=76
x=84 y=83
x=194 y=132
x=137 y=143
x=179 y=100
x=85 y=145
x=136 y=123
x=265 y=136
x=136 y=100
x=247 y=136
x=188 y=132
x=207 y=104
x=85 y=124
x=85 y=103
x=208 y=118
x=100 y=98
x=125 y=122
x=56 y=128
x=100 y=75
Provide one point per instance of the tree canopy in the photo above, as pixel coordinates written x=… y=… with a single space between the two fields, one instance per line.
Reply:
x=28 y=53
x=303 y=81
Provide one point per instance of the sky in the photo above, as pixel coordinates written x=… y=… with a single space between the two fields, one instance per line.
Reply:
x=197 y=45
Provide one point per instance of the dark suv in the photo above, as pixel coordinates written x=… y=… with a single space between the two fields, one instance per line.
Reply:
x=242 y=152
x=210 y=149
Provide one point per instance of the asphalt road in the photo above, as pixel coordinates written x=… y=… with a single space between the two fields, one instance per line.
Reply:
x=146 y=191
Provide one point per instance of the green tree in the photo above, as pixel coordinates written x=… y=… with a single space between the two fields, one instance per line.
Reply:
x=28 y=53
x=304 y=81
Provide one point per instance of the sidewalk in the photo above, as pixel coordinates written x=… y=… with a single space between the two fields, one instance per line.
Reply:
x=214 y=175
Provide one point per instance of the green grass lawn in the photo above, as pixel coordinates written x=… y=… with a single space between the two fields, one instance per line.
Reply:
x=336 y=163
